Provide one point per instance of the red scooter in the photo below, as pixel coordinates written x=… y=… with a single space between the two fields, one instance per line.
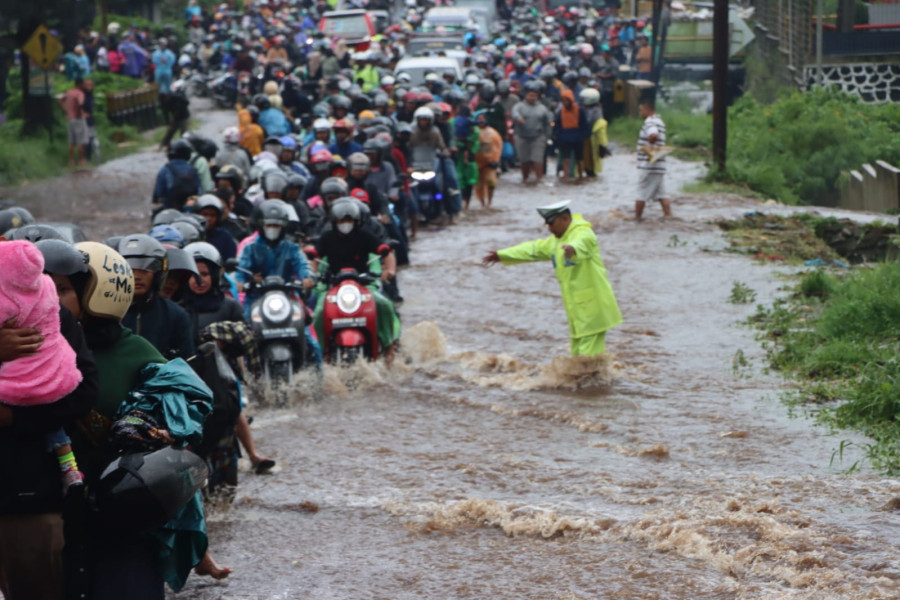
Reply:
x=349 y=318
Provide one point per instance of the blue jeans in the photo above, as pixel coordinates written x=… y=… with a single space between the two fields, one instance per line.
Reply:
x=451 y=184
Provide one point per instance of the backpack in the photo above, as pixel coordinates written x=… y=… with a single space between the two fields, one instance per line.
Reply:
x=184 y=185
x=214 y=370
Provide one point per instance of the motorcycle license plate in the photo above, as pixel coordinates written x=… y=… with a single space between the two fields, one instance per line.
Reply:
x=284 y=332
x=349 y=322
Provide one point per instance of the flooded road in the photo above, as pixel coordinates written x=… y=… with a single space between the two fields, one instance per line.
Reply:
x=489 y=464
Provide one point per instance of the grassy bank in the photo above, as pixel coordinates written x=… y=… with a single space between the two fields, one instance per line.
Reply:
x=838 y=337
x=793 y=150
x=36 y=157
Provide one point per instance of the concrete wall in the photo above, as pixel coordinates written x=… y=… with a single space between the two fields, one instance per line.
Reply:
x=872 y=187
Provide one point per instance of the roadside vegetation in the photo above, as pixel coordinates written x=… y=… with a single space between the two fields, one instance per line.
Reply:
x=36 y=156
x=837 y=333
x=796 y=149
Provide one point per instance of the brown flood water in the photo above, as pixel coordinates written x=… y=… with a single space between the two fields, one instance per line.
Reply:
x=489 y=464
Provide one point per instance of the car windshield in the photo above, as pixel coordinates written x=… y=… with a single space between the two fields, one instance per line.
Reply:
x=433 y=45
x=350 y=26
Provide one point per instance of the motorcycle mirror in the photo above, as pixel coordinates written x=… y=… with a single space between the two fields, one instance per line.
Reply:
x=231 y=265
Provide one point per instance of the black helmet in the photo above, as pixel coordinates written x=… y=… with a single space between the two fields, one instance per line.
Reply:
x=139 y=492
x=189 y=230
x=180 y=149
x=62 y=258
x=204 y=146
x=261 y=102
x=488 y=91
x=179 y=260
x=343 y=208
x=569 y=78
x=232 y=174
x=166 y=216
x=341 y=102
x=273 y=144
x=254 y=112
x=333 y=186
x=34 y=233
x=143 y=252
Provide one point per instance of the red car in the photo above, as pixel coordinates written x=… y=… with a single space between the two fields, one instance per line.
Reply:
x=356 y=27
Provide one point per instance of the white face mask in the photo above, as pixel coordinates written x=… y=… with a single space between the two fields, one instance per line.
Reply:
x=272 y=233
x=345 y=228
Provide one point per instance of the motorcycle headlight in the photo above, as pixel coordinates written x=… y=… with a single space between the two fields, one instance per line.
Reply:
x=423 y=175
x=349 y=299
x=276 y=308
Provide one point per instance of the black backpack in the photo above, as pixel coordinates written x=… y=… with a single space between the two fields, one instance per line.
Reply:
x=214 y=370
x=183 y=187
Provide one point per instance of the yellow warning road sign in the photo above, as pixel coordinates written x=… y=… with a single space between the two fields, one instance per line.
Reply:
x=42 y=47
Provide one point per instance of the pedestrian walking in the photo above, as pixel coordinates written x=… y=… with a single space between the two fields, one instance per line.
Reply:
x=651 y=161
x=533 y=125
x=72 y=103
x=588 y=297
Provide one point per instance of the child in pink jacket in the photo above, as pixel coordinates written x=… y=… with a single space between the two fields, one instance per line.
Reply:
x=29 y=297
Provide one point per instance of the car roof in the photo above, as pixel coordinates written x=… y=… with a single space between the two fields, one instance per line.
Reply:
x=343 y=13
x=438 y=62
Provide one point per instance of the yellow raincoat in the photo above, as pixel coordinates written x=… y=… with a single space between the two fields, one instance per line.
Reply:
x=587 y=295
x=592 y=159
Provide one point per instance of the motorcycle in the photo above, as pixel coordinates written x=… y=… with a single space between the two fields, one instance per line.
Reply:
x=224 y=89
x=427 y=184
x=349 y=318
x=278 y=320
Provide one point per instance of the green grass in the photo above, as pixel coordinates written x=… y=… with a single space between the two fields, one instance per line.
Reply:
x=30 y=158
x=706 y=186
x=839 y=336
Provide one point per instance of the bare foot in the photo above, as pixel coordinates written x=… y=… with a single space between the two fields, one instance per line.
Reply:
x=208 y=567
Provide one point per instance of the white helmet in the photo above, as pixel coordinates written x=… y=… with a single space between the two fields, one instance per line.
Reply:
x=232 y=135
x=321 y=125
x=589 y=97
x=388 y=80
x=423 y=112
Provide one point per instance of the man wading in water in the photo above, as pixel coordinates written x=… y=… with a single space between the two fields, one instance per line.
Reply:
x=587 y=295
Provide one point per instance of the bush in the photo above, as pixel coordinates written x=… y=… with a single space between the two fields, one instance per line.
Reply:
x=795 y=149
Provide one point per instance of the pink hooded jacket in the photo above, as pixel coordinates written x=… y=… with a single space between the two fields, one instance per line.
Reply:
x=30 y=296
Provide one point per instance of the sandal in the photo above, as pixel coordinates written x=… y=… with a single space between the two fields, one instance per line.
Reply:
x=263 y=466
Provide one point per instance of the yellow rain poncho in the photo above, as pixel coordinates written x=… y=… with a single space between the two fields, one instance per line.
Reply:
x=586 y=292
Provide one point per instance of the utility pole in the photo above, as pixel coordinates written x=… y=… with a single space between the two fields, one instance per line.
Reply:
x=720 y=82
x=819 y=75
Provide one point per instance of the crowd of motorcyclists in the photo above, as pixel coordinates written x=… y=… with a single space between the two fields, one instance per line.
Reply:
x=273 y=249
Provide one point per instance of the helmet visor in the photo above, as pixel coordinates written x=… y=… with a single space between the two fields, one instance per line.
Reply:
x=145 y=263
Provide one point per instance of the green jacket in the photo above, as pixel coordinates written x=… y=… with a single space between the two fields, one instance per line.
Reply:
x=588 y=297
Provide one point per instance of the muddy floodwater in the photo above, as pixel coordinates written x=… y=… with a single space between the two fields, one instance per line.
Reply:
x=489 y=464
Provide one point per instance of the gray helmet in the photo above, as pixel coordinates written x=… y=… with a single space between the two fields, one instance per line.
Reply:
x=296 y=180
x=345 y=207
x=333 y=186
x=272 y=212
x=189 y=230
x=34 y=233
x=180 y=149
x=143 y=252
x=166 y=216
x=62 y=258
x=206 y=252
x=488 y=91
x=10 y=218
x=274 y=180
x=503 y=86
x=358 y=160
x=179 y=260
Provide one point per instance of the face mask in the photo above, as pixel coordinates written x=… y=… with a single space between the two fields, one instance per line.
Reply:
x=345 y=228
x=272 y=233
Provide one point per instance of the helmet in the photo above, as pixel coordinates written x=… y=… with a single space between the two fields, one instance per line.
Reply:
x=230 y=173
x=404 y=128
x=254 y=113
x=488 y=91
x=548 y=73
x=295 y=180
x=432 y=77
x=380 y=100
x=587 y=49
x=189 y=230
x=143 y=252
x=270 y=88
x=589 y=97
x=271 y=212
x=34 y=233
x=343 y=208
x=142 y=491
x=359 y=160
x=321 y=125
x=333 y=186
x=360 y=194
x=10 y=218
x=232 y=135
x=372 y=146
x=584 y=72
x=179 y=260
x=502 y=87
x=110 y=285
x=388 y=80
x=180 y=149
x=320 y=156
x=472 y=79
x=338 y=167
x=288 y=142
x=341 y=102
x=166 y=216
x=209 y=201
x=262 y=102
x=346 y=124
x=423 y=112
x=166 y=235
x=272 y=144
x=274 y=180
x=204 y=146
x=206 y=252
x=62 y=258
